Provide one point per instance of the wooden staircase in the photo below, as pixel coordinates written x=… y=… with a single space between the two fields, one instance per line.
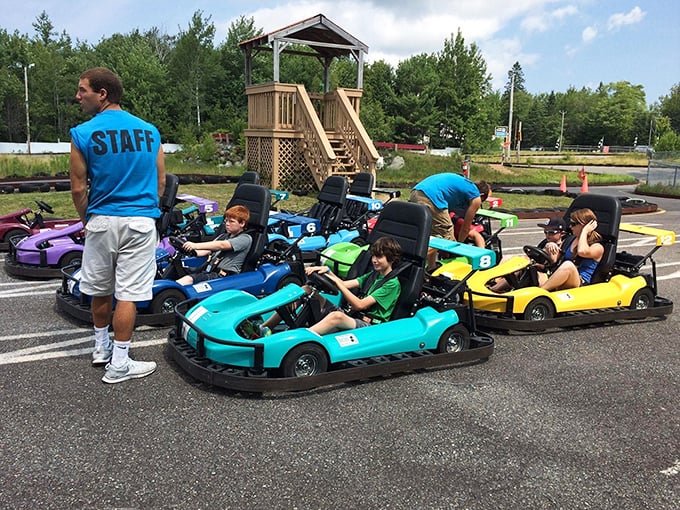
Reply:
x=311 y=137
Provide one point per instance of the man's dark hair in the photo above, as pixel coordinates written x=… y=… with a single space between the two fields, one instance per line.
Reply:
x=102 y=78
x=389 y=248
x=484 y=189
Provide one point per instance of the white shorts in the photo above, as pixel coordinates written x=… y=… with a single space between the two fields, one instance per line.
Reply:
x=119 y=257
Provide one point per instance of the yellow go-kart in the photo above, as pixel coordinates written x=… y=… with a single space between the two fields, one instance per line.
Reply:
x=619 y=290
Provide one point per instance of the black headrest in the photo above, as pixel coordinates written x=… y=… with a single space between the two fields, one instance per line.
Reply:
x=607 y=210
x=167 y=203
x=362 y=184
x=334 y=190
x=407 y=222
x=258 y=201
x=249 y=177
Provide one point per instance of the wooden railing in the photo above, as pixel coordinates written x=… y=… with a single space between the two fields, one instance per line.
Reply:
x=287 y=111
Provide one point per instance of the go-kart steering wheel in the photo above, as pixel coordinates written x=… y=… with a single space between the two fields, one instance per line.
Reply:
x=178 y=243
x=43 y=206
x=322 y=282
x=537 y=255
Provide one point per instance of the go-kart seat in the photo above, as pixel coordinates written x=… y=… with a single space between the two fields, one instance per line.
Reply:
x=409 y=224
x=258 y=201
x=330 y=208
x=249 y=177
x=362 y=185
x=167 y=203
x=607 y=209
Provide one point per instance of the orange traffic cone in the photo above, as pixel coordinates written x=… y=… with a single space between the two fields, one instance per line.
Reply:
x=584 y=186
x=563 y=184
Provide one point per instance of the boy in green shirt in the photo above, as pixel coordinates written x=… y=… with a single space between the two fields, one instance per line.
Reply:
x=374 y=307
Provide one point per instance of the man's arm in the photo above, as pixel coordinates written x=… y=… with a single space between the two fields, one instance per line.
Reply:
x=78 y=175
x=160 y=165
x=472 y=209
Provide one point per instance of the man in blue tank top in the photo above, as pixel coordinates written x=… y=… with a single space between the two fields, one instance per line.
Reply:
x=445 y=193
x=122 y=157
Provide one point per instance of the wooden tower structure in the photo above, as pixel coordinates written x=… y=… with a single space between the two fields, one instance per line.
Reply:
x=296 y=139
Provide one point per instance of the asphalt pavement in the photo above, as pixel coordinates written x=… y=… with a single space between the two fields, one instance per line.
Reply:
x=573 y=419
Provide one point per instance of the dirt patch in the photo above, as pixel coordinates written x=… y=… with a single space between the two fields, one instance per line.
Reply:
x=500 y=168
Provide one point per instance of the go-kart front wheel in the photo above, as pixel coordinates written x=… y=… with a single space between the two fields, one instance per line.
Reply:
x=643 y=299
x=454 y=339
x=540 y=309
x=166 y=300
x=305 y=360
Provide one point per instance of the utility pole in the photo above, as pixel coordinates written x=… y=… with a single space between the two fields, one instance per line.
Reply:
x=561 y=130
x=28 y=118
x=512 y=92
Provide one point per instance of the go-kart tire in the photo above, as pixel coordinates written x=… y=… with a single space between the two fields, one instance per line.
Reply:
x=28 y=187
x=539 y=309
x=288 y=279
x=7 y=190
x=166 y=300
x=62 y=186
x=13 y=233
x=643 y=299
x=71 y=258
x=454 y=339
x=304 y=360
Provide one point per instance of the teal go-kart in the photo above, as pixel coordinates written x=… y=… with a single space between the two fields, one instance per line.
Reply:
x=217 y=340
x=266 y=269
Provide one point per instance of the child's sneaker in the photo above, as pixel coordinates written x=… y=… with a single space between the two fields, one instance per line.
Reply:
x=131 y=370
x=101 y=355
x=265 y=331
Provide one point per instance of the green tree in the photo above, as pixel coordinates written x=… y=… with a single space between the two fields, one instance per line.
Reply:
x=464 y=82
x=194 y=72
x=670 y=107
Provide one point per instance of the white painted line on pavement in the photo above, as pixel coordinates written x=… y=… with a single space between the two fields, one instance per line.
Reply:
x=37 y=354
x=43 y=334
x=673 y=470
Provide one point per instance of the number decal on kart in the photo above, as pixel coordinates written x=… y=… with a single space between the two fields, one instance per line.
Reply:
x=311 y=228
x=485 y=261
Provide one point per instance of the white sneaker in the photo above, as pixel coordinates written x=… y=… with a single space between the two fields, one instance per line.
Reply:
x=101 y=355
x=131 y=370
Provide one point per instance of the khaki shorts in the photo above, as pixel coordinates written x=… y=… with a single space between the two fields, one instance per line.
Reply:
x=441 y=219
x=119 y=257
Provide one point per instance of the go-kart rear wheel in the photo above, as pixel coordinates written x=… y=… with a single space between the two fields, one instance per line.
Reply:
x=305 y=360
x=72 y=257
x=14 y=232
x=643 y=299
x=454 y=339
x=166 y=300
x=540 y=309
x=288 y=279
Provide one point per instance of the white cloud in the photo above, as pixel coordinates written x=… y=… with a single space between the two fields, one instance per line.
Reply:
x=588 y=34
x=616 y=21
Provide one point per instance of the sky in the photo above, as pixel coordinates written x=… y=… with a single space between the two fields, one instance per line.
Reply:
x=558 y=43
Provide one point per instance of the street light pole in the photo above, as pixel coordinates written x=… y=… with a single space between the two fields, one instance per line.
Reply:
x=561 y=130
x=512 y=91
x=28 y=118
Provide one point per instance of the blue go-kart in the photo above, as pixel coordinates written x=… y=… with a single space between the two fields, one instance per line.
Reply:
x=267 y=268
x=217 y=340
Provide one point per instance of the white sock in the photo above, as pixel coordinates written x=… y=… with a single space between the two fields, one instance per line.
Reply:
x=120 y=353
x=101 y=337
